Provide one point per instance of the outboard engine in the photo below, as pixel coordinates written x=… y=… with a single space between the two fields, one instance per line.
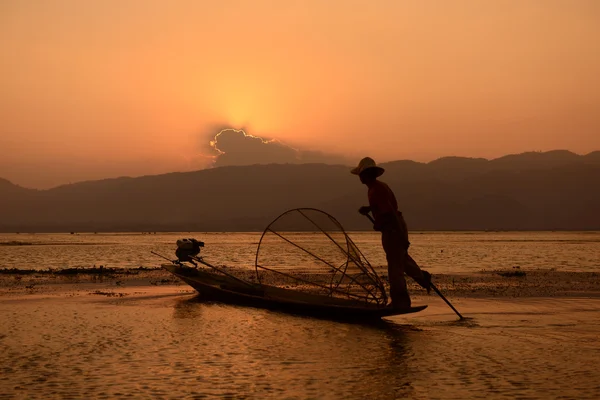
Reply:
x=188 y=248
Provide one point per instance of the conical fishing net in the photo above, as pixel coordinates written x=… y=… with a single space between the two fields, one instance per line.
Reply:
x=308 y=250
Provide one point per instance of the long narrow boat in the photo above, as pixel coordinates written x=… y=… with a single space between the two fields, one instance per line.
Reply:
x=232 y=291
x=305 y=263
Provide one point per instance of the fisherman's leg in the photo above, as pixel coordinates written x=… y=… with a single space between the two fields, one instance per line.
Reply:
x=422 y=277
x=396 y=259
x=411 y=267
x=398 y=289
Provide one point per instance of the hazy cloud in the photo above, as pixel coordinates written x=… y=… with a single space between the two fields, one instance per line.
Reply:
x=236 y=147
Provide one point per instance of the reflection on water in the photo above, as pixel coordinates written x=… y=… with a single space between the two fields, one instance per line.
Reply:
x=298 y=356
x=178 y=347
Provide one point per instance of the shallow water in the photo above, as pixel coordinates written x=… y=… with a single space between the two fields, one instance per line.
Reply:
x=440 y=252
x=157 y=342
x=167 y=345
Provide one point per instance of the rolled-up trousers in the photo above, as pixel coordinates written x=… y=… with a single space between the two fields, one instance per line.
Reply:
x=399 y=262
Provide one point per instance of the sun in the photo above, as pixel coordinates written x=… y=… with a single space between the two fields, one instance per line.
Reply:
x=253 y=105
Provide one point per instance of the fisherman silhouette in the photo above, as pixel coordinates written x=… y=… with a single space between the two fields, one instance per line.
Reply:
x=394 y=233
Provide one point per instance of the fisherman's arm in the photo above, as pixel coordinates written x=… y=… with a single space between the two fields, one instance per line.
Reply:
x=381 y=206
x=386 y=219
x=364 y=210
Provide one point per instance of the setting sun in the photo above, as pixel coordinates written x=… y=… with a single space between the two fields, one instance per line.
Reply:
x=396 y=80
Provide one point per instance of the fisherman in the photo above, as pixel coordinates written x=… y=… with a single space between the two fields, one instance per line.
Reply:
x=394 y=233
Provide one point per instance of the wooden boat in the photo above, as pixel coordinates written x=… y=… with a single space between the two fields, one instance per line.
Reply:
x=230 y=290
x=305 y=263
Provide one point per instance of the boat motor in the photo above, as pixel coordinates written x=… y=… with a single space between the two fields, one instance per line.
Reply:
x=187 y=249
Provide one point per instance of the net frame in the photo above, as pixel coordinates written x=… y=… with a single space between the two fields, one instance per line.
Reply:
x=373 y=288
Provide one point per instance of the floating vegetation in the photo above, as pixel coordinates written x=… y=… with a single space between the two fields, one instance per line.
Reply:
x=511 y=274
x=164 y=282
x=17 y=271
x=108 y=294
x=77 y=270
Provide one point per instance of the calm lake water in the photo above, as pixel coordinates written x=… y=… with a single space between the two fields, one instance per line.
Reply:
x=176 y=347
x=163 y=342
x=439 y=252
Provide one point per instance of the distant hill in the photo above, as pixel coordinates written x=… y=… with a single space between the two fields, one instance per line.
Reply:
x=556 y=190
x=7 y=187
x=592 y=158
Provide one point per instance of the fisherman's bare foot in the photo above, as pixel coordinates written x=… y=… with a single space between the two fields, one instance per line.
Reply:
x=402 y=301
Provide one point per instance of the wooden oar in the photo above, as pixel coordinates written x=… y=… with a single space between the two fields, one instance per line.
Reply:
x=446 y=300
x=431 y=283
x=200 y=260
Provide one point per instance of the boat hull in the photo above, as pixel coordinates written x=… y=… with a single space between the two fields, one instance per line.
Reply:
x=232 y=291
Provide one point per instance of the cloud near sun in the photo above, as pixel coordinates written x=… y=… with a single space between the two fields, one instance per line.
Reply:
x=236 y=147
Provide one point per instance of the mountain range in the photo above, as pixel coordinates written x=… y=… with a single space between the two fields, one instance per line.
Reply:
x=556 y=190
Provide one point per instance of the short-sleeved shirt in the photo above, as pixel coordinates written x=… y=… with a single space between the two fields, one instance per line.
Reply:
x=381 y=200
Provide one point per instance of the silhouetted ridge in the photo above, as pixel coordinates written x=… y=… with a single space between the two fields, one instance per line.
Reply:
x=535 y=160
x=530 y=191
x=7 y=187
x=458 y=161
x=593 y=157
x=5 y=183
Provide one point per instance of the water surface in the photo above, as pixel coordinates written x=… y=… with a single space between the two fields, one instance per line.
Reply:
x=174 y=346
x=440 y=252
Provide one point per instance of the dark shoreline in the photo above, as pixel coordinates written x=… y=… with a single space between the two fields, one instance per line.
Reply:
x=78 y=271
x=506 y=283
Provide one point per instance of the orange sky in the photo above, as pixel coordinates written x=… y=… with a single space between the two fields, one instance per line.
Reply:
x=93 y=89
